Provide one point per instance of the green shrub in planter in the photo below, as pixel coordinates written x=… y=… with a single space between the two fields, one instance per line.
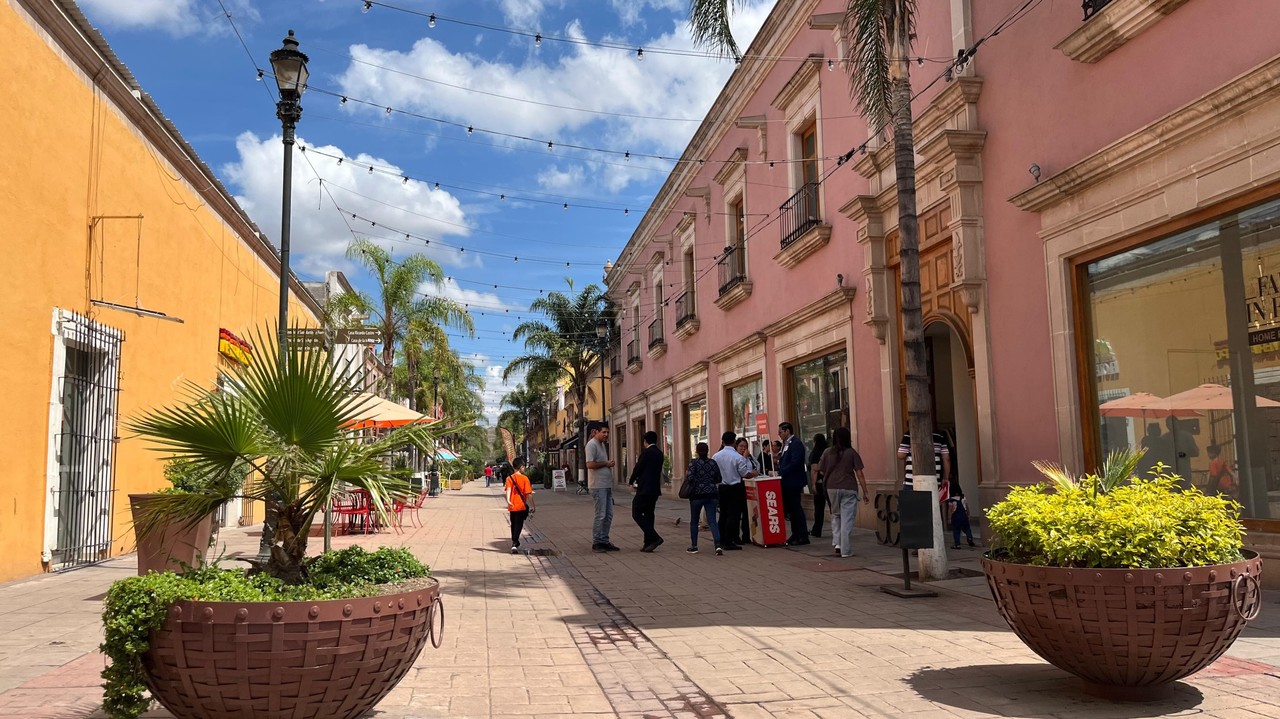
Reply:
x=1114 y=520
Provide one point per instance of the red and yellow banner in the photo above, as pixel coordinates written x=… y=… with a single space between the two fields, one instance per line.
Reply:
x=233 y=348
x=509 y=442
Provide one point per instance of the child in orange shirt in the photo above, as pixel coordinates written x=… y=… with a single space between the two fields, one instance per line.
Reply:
x=519 y=501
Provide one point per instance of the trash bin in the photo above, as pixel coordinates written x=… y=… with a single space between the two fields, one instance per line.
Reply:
x=764 y=509
x=435 y=485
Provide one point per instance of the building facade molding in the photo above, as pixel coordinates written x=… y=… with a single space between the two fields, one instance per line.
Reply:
x=734 y=296
x=751 y=340
x=814 y=239
x=1114 y=25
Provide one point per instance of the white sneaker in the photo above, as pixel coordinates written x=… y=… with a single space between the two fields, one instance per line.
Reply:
x=515 y=549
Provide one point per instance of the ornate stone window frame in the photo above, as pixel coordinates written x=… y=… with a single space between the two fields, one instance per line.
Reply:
x=732 y=179
x=688 y=283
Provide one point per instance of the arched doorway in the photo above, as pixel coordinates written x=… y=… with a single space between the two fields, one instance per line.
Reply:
x=955 y=411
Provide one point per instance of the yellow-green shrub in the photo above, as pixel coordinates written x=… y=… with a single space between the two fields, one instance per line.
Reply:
x=1095 y=523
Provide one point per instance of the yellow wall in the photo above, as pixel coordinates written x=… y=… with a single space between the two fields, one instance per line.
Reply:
x=69 y=155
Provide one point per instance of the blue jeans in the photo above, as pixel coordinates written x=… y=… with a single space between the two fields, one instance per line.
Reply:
x=604 y=515
x=844 y=514
x=697 y=506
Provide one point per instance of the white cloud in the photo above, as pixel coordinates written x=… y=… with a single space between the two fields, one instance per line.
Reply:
x=320 y=235
x=523 y=14
x=557 y=180
x=495 y=388
x=476 y=300
x=595 y=78
x=629 y=10
x=176 y=17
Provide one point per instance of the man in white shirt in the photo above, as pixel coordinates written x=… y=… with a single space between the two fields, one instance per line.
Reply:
x=600 y=483
x=733 y=493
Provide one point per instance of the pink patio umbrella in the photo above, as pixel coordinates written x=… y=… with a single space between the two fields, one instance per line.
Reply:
x=1142 y=404
x=1206 y=398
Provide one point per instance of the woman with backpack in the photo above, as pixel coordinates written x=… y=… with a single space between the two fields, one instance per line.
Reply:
x=841 y=466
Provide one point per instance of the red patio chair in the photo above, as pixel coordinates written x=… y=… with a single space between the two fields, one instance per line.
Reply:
x=356 y=504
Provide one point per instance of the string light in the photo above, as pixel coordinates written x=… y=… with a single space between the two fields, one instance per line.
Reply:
x=640 y=54
x=343 y=101
x=470 y=130
x=831 y=65
x=388 y=109
x=537 y=40
x=368 y=4
x=431 y=20
x=260 y=74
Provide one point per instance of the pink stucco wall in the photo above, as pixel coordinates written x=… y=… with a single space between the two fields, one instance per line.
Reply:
x=1036 y=105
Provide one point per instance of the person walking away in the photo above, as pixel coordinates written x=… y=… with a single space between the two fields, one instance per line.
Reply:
x=960 y=519
x=941 y=461
x=600 y=483
x=519 y=501
x=841 y=465
x=704 y=492
x=733 y=493
x=794 y=480
x=646 y=477
x=819 y=486
x=488 y=474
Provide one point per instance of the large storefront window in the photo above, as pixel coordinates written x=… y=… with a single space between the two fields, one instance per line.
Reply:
x=745 y=402
x=1186 y=355
x=695 y=420
x=820 y=396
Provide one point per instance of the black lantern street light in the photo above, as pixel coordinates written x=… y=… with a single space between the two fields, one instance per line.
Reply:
x=435 y=402
x=602 y=334
x=289 y=66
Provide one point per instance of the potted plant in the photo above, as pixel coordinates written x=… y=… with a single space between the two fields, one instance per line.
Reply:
x=1129 y=583
x=179 y=545
x=294 y=636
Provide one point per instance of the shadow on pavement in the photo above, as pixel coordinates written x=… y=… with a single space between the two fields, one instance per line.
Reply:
x=1036 y=690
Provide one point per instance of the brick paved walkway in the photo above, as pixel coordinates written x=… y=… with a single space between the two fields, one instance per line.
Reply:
x=757 y=633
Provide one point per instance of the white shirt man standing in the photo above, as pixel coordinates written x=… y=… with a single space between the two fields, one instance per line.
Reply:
x=600 y=483
x=733 y=493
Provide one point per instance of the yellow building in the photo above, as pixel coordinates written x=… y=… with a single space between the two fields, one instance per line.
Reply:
x=130 y=270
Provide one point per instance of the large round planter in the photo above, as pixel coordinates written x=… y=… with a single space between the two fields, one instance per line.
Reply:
x=1127 y=627
x=289 y=660
x=171 y=549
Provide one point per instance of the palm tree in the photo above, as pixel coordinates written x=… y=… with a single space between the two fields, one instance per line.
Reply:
x=564 y=346
x=286 y=419
x=399 y=310
x=524 y=406
x=878 y=35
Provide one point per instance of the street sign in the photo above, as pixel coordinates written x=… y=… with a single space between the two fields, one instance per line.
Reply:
x=307 y=337
x=558 y=481
x=762 y=424
x=358 y=336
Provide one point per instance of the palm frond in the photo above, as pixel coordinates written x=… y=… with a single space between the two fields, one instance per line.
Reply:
x=1120 y=466
x=709 y=25
x=868 y=39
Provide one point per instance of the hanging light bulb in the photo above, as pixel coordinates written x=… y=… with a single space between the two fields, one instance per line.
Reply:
x=640 y=54
x=437 y=185
x=550 y=145
x=339 y=160
x=537 y=40
x=404 y=180
x=259 y=75
x=343 y=101
x=367 y=5
x=919 y=61
x=470 y=130
x=626 y=212
x=515 y=259
x=627 y=156
x=431 y=20
x=831 y=65
x=566 y=207
x=370 y=169
x=502 y=198
x=388 y=110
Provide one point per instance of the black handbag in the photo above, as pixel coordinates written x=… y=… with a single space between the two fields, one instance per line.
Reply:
x=686 y=487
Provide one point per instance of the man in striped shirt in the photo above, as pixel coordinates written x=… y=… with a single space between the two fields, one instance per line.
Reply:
x=941 y=460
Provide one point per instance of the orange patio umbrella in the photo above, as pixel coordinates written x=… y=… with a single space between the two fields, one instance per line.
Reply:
x=378 y=413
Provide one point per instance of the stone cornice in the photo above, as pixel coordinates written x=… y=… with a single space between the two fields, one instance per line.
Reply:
x=799 y=82
x=84 y=46
x=691 y=371
x=1247 y=91
x=1112 y=26
x=826 y=21
x=950 y=102
x=734 y=295
x=732 y=166
x=814 y=239
x=747 y=342
x=760 y=124
x=827 y=302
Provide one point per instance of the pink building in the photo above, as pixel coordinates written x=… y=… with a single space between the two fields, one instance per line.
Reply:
x=1100 y=216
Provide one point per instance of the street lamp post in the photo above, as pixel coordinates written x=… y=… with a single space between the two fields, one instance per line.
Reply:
x=602 y=334
x=435 y=402
x=289 y=65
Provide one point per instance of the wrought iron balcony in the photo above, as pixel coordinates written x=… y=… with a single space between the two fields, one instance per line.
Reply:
x=633 y=351
x=615 y=364
x=684 y=309
x=1091 y=7
x=732 y=273
x=799 y=213
x=655 y=333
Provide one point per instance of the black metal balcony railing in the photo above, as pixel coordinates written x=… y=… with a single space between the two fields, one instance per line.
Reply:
x=799 y=213
x=633 y=351
x=732 y=273
x=655 y=333
x=615 y=364
x=684 y=308
x=1091 y=7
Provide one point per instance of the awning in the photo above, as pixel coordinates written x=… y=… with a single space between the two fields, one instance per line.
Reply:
x=445 y=455
x=570 y=443
x=378 y=413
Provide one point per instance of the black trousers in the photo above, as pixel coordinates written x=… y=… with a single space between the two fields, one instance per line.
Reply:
x=820 y=502
x=795 y=512
x=733 y=508
x=642 y=506
x=517 y=525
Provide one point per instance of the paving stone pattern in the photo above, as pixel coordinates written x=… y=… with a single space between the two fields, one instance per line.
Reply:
x=562 y=631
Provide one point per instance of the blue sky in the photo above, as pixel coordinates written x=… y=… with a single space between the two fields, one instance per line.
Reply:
x=187 y=56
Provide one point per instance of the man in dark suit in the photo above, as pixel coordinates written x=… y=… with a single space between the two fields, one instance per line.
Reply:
x=794 y=480
x=646 y=477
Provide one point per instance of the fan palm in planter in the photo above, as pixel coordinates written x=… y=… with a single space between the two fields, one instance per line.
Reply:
x=1126 y=582
x=286 y=417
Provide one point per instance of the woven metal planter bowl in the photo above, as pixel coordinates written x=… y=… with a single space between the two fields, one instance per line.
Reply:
x=1127 y=627
x=333 y=659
